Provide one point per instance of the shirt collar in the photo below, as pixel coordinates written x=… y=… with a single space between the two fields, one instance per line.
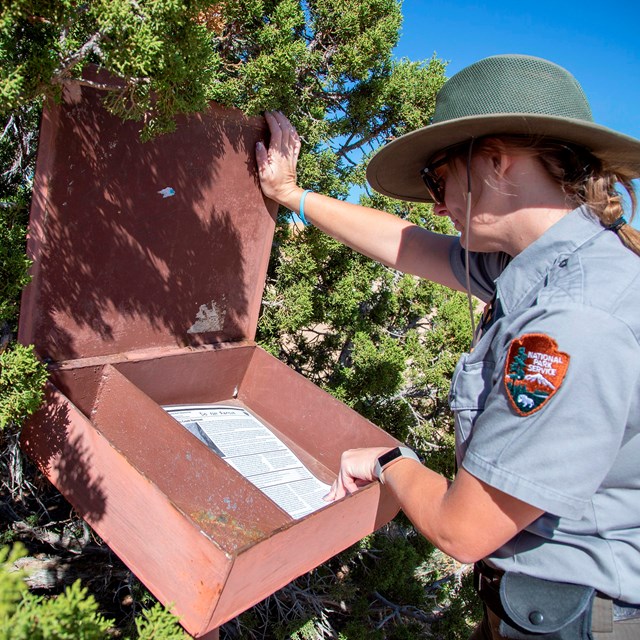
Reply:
x=526 y=271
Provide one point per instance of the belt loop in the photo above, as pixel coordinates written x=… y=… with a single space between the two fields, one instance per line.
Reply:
x=602 y=615
x=477 y=577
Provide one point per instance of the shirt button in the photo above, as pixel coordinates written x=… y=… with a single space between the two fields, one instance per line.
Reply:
x=563 y=263
x=536 y=617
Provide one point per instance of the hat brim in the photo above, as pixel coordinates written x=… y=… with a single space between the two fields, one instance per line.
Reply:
x=394 y=170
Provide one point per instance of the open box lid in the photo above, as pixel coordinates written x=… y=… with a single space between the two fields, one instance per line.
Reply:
x=144 y=245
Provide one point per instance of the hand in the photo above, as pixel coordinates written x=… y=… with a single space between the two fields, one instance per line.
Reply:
x=356 y=470
x=277 y=164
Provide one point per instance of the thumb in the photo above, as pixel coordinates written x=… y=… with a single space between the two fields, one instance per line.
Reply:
x=261 y=152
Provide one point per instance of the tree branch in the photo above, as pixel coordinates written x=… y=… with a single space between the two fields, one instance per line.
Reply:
x=90 y=46
x=360 y=143
x=398 y=611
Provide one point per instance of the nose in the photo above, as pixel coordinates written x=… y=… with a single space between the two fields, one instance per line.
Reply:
x=440 y=209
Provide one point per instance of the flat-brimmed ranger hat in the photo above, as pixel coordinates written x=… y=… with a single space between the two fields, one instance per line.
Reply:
x=508 y=95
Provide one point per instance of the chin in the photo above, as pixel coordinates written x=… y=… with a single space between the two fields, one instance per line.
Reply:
x=479 y=246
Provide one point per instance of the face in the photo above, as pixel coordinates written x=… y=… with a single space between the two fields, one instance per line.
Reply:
x=450 y=187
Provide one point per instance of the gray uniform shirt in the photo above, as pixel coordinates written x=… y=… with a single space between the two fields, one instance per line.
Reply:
x=577 y=456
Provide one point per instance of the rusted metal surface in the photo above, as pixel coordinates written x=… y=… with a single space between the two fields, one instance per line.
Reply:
x=119 y=264
x=167 y=552
x=136 y=474
x=315 y=420
x=230 y=510
x=150 y=262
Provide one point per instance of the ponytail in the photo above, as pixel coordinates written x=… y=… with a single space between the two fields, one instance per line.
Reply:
x=602 y=198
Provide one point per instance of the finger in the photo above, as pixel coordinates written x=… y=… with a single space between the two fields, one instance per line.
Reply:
x=274 y=128
x=335 y=493
x=338 y=490
x=297 y=145
x=331 y=495
x=350 y=484
x=261 y=154
x=262 y=159
x=283 y=122
x=289 y=134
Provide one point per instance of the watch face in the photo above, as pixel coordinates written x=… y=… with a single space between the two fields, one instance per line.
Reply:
x=386 y=458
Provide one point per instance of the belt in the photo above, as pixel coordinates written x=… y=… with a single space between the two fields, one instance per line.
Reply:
x=486 y=581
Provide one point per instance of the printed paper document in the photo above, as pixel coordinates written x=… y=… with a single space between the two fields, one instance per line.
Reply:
x=253 y=450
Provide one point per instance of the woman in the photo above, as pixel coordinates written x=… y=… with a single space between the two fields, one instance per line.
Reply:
x=546 y=500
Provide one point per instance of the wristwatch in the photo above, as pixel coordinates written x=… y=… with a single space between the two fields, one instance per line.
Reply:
x=389 y=458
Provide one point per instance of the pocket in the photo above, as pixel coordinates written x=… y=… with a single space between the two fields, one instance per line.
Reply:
x=470 y=387
x=544 y=609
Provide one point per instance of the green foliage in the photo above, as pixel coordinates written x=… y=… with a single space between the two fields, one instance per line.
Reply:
x=12 y=586
x=18 y=144
x=158 y=49
x=398 y=555
x=72 y=615
x=326 y=64
x=22 y=378
x=300 y=629
x=463 y=612
x=157 y=623
x=14 y=264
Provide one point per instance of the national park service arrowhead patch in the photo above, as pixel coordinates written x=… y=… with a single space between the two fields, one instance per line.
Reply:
x=533 y=372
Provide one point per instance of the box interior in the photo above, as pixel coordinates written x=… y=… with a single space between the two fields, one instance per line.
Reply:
x=313 y=424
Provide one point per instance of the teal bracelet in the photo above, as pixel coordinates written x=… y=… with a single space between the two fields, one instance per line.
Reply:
x=305 y=222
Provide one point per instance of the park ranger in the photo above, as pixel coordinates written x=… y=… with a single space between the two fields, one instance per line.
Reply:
x=546 y=499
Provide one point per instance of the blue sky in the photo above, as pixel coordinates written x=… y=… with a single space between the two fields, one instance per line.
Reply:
x=598 y=42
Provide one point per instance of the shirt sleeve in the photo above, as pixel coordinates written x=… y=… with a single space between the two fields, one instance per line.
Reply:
x=484 y=268
x=556 y=457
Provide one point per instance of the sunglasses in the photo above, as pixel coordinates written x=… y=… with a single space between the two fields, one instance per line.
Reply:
x=434 y=182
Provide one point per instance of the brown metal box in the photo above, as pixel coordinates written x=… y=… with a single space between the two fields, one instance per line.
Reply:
x=149 y=265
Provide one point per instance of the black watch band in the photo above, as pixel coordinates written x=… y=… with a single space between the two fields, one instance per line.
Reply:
x=386 y=459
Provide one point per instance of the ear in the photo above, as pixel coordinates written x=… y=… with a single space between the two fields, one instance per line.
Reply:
x=496 y=158
x=502 y=163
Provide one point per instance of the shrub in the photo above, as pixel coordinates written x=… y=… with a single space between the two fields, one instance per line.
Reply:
x=72 y=615
x=22 y=378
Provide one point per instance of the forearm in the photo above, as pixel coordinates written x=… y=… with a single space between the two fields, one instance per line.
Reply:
x=374 y=233
x=466 y=518
x=422 y=493
x=377 y=234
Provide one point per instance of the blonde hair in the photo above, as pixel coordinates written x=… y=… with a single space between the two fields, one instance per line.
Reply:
x=585 y=179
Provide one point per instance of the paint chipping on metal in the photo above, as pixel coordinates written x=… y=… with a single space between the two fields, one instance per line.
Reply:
x=208 y=318
x=223 y=526
x=167 y=192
